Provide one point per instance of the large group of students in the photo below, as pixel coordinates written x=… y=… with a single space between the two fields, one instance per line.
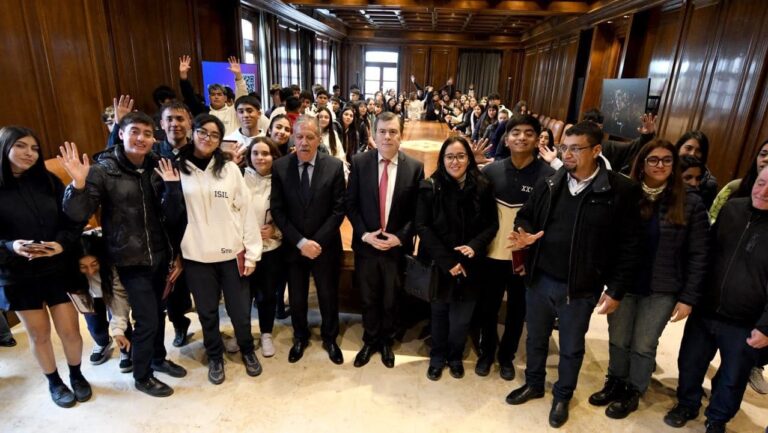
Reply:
x=228 y=202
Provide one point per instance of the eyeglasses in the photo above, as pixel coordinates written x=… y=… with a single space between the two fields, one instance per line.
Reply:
x=654 y=161
x=461 y=157
x=575 y=150
x=213 y=136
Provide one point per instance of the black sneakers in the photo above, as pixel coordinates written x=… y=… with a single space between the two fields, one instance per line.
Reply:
x=170 y=368
x=680 y=415
x=152 y=386
x=216 y=371
x=612 y=390
x=252 y=365
x=62 y=396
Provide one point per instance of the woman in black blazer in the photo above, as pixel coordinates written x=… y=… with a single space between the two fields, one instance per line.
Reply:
x=456 y=219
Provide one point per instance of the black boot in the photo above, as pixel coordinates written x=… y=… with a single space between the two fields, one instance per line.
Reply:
x=613 y=389
x=625 y=405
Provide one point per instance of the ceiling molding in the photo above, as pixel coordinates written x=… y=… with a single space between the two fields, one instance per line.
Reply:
x=288 y=13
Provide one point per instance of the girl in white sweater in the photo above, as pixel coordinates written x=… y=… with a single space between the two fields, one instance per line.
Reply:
x=266 y=281
x=221 y=243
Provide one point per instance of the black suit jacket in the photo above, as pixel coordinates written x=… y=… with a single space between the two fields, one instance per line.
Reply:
x=317 y=219
x=363 y=200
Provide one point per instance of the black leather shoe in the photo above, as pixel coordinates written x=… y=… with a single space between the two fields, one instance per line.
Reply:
x=507 y=372
x=558 y=415
x=387 y=356
x=216 y=371
x=434 y=373
x=612 y=390
x=715 y=427
x=81 y=388
x=334 y=352
x=153 y=387
x=297 y=351
x=680 y=415
x=8 y=343
x=364 y=355
x=483 y=366
x=181 y=337
x=62 y=396
x=170 y=368
x=621 y=408
x=456 y=369
x=252 y=365
x=523 y=394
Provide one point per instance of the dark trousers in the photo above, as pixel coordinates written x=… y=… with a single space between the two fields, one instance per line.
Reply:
x=702 y=338
x=380 y=280
x=178 y=303
x=450 y=325
x=207 y=282
x=144 y=285
x=499 y=278
x=547 y=299
x=325 y=270
x=98 y=324
x=264 y=283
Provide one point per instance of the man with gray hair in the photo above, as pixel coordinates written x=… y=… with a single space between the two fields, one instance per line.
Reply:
x=307 y=204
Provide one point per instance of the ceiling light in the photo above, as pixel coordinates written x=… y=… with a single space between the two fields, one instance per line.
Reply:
x=362 y=11
x=609 y=22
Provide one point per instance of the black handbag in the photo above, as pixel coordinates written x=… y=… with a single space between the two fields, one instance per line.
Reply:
x=420 y=279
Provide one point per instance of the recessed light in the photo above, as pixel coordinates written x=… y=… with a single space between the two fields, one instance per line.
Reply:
x=626 y=16
x=609 y=22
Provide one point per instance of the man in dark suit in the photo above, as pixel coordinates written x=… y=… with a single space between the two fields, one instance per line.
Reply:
x=381 y=199
x=308 y=206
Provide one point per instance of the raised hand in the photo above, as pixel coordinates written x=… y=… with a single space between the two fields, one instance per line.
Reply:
x=184 y=66
x=479 y=148
x=546 y=153
x=234 y=67
x=75 y=168
x=648 y=126
x=166 y=171
x=122 y=106
x=520 y=239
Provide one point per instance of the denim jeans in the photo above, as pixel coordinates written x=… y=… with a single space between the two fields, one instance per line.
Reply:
x=545 y=300
x=98 y=322
x=634 y=330
x=702 y=338
x=5 y=330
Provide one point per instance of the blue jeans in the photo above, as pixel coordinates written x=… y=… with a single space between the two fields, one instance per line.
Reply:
x=545 y=300
x=634 y=330
x=5 y=330
x=702 y=338
x=98 y=322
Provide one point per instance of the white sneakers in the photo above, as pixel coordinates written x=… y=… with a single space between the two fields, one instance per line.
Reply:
x=267 y=347
x=757 y=381
x=100 y=354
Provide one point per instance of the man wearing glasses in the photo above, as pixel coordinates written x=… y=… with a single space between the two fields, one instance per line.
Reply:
x=582 y=225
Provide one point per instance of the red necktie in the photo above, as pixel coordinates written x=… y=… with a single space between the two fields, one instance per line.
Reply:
x=383 y=195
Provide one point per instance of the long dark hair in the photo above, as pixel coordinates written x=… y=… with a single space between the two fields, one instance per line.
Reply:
x=350 y=138
x=441 y=176
x=92 y=244
x=674 y=194
x=698 y=136
x=329 y=129
x=219 y=159
x=550 y=138
x=748 y=181
x=9 y=135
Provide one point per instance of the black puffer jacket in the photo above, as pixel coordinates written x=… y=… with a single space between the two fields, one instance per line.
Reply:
x=31 y=209
x=737 y=284
x=606 y=237
x=448 y=217
x=130 y=207
x=681 y=252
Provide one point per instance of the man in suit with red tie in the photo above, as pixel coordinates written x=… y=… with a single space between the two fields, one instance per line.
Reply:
x=381 y=202
x=307 y=203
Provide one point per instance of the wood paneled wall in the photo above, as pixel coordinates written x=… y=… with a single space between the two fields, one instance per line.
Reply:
x=63 y=62
x=707 y=60
x=547 y=77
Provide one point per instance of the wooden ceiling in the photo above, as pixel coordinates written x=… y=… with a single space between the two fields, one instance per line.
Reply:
x=488 y=17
